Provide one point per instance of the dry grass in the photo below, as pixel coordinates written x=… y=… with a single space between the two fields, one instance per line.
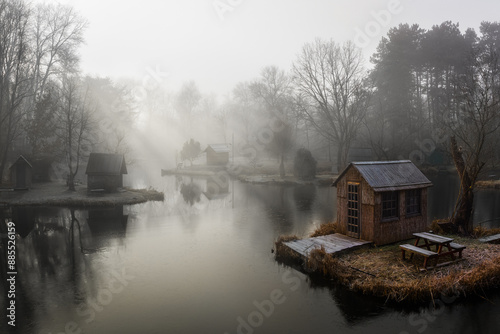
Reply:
x=436 y=225
x=480 y=232
x=488 y=184
x=439 y=226
x=284 y=253
x=57 y=194
x=326 y=229
x=380 y=271
x=149 y=194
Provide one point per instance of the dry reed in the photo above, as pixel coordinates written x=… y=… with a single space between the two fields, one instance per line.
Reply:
x=284 y=253
x=325 y=229
x=488 y=184
x=380 y=271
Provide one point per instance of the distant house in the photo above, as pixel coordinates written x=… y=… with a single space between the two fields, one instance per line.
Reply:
x=383 y=202
x=21 y=173
x=217 y=154
x=105 y=171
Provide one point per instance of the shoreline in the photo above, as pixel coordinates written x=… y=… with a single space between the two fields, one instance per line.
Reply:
x=488 y=184
x=57 y=194
x=254 y=177
x=380 y=272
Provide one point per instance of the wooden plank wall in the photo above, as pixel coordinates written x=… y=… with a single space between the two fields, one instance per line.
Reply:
x=402 y=228
x=372 y=226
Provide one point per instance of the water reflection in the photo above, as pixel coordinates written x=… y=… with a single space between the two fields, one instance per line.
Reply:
x=191 y=193
x=443 y=197
x=209 y=259
x=304 y=196
x=55 y=253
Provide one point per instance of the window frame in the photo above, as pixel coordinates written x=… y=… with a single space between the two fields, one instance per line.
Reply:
x=394 y=207
x=413 y=202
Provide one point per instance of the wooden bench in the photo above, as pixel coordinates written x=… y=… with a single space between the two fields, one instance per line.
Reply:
x=457 y=248
x=427 y=254
x=491 y=239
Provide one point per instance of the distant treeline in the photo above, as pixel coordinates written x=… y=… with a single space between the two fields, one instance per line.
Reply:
x=425 y=87
x=49 y=111
x=423 y=82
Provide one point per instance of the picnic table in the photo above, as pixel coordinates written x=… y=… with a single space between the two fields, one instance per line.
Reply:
x=443 y=246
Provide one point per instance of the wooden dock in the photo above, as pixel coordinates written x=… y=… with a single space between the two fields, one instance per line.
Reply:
x=332 y=243
x=491 y=239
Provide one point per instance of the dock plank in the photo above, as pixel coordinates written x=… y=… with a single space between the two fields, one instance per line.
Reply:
x=332 y=243
x=491 y=238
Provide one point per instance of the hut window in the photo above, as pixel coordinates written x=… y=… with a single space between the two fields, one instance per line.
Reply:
x=413 y=202
x=390 y=204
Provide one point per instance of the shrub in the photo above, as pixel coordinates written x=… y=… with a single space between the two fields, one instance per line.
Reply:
x=304 y=165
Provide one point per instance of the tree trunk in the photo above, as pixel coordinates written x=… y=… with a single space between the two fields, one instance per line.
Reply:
x=340 y=158
x=282 y=167
x=71 y=181
x=461 y=219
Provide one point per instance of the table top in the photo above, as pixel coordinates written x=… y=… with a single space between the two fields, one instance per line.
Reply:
x=439 y=239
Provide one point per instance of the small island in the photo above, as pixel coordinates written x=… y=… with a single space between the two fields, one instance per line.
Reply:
x=381 y=215
x=379 y=270
x=57 y=194
x=104 y=186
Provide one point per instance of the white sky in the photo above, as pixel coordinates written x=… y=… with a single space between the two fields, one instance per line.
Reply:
x=189 y=40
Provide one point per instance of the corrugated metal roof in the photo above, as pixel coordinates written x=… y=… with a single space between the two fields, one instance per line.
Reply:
x=106 y=164
x=219 y=148
x=389 y=175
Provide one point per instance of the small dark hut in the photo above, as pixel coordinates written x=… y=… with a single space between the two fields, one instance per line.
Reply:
x=383 y=202
x=217 y=154
x=105 y=171
x=21 y=173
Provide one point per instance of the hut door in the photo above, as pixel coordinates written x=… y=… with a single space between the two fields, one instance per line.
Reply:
x=353 y=209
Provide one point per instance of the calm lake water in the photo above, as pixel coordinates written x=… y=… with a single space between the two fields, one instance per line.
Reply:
x=201 y=262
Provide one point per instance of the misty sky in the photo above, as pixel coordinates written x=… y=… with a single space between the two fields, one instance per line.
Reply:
x=219 y=46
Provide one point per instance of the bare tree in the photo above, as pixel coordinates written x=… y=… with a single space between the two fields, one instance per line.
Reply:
x=476 y=122
x=14 y=78
x=244 y=109
x=330 y=82
x=57 y=34
x=221 y=119
x=41 y=127
x=188 y=99
x=75 y=125
x=115 y=115
x=274 y=89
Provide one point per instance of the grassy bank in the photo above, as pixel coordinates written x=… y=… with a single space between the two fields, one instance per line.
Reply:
x=380 y=271
x=264 y=175
x=57 y=194
x=489 y=184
